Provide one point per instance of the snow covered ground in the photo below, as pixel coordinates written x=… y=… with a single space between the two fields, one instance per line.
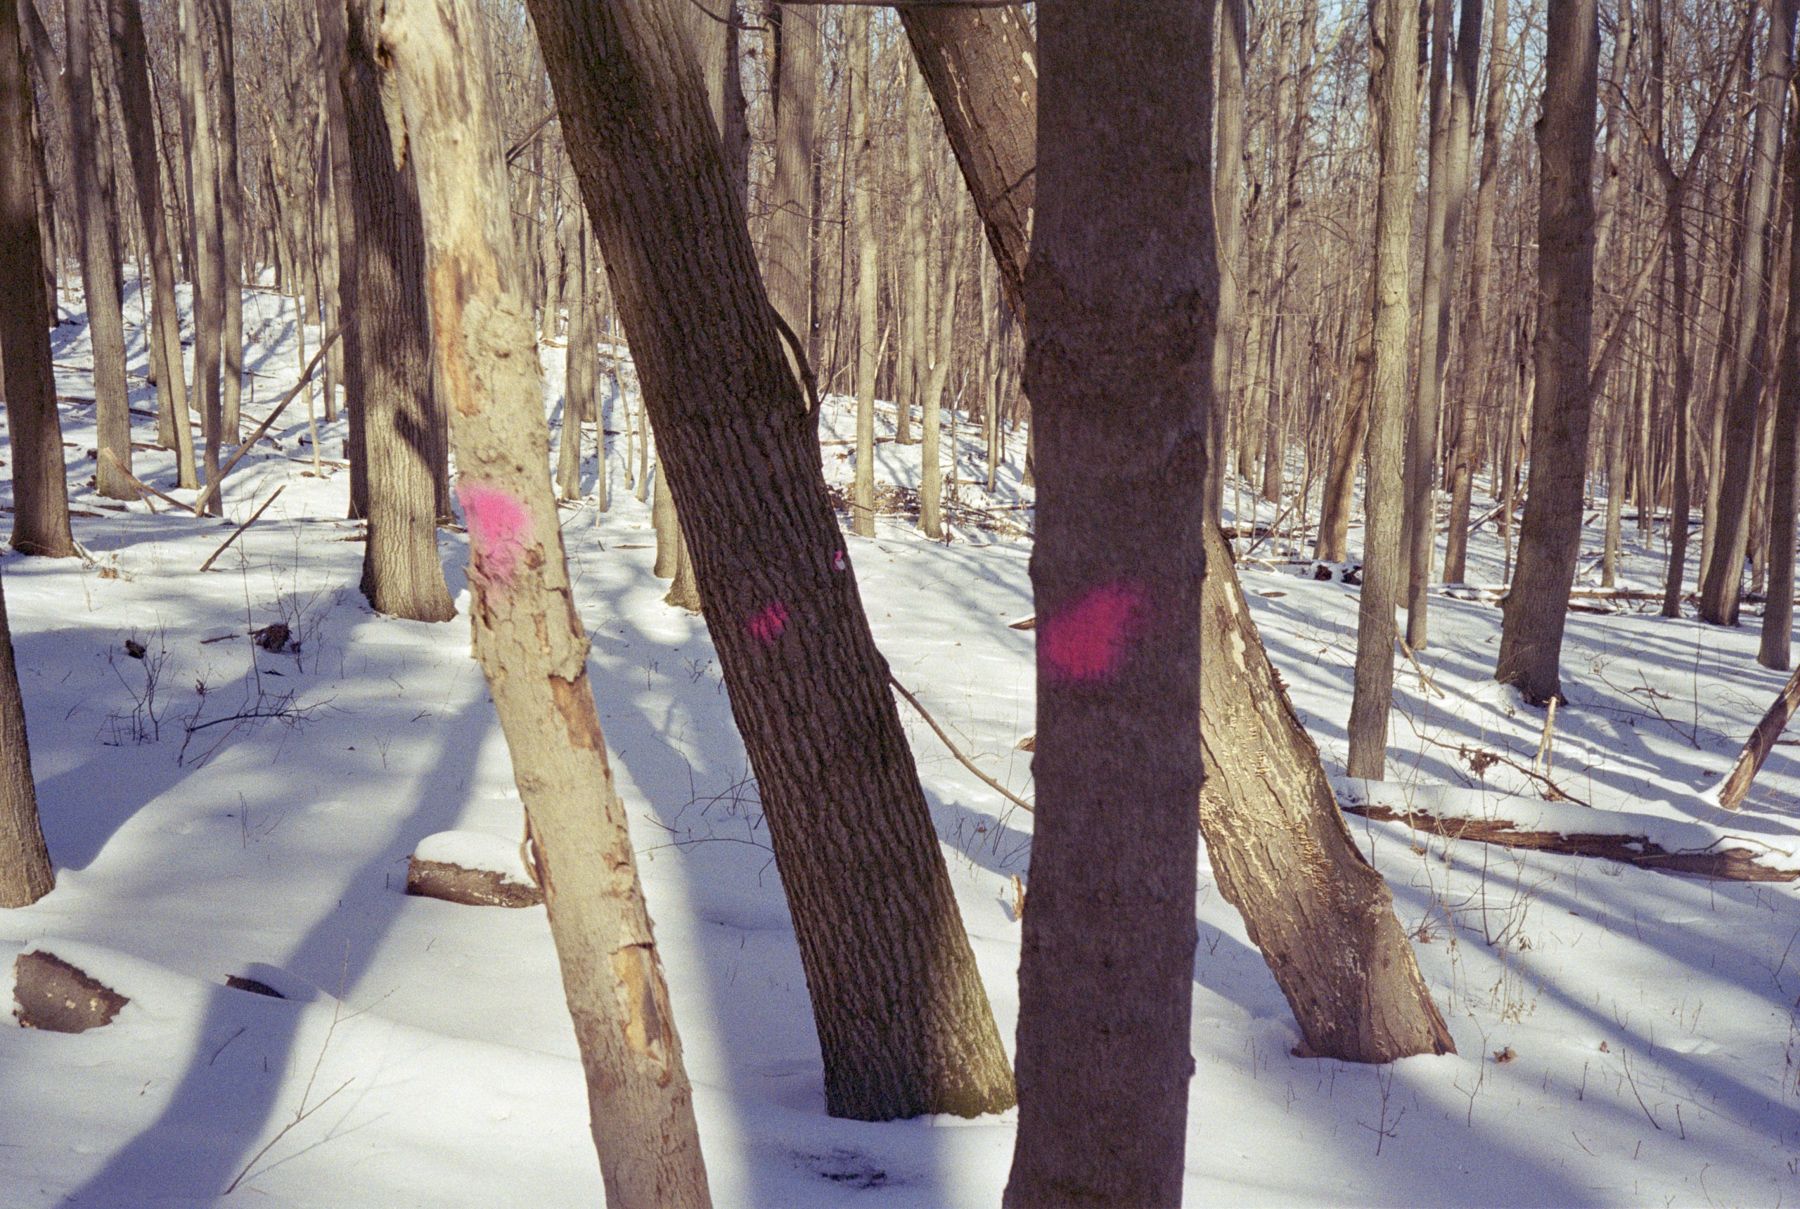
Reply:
x=1627 y=1037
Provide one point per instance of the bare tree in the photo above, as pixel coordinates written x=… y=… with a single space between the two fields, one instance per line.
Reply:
x=862 y=215
x=25 y=873
x=528 y=638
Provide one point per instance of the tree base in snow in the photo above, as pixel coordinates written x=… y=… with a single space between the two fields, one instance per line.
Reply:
x=51 y=994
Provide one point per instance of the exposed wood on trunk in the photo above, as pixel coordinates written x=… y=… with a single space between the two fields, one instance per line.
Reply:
x=1760 y=744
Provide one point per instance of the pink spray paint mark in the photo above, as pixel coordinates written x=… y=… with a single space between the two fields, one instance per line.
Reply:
x=500 y=526
x=769 y=624
x=1086 y=641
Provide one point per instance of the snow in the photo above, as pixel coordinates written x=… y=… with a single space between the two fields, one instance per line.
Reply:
x=422 y=1054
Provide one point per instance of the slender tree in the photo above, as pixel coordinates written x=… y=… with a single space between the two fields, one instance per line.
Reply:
x=1778 y=613
x=1550 y=535
x=25 y=873
x=862 y=214
x=531 y=644
x=1122 y=293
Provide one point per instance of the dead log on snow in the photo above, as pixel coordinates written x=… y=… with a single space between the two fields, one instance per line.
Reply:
x=51 y=994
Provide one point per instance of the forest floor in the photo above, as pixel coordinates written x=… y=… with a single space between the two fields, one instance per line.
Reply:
x=1626 y=1037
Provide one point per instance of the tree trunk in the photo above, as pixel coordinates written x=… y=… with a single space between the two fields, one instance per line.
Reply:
x=1122 y=292
x=1384 y=490
x=916 y=349
x=862 y=215
x=1228 y=208
x=1723 y=575
x=231 y=222
x=1784 y=454
x=1550 y=535
x=388 y=344
x=902 y=1018
x=40 y=485
x=579 y=367
x=1276 y=839
x=25 y=873
x=931 y=482
x=528 y=638
x=173 y=425
x=209 y=276
x=99 y=264
x=788 y=259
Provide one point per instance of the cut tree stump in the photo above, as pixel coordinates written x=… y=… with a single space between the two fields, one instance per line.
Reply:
x=51 y=994
x=470 y=887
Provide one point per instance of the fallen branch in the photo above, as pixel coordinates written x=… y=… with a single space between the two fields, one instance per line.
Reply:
x=144 y=489
x=1728 y=864
x=996 y=786
x=235 y=533
x=1760 y=743
x=245 y=447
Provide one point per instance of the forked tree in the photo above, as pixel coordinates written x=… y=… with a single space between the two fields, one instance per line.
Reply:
x=1122 y=293
x=1323 y=918
x=531 y=644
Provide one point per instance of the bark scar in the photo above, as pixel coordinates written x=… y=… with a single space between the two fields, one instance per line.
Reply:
x=644 y=1005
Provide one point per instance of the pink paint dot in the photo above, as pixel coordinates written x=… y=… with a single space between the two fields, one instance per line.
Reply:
x=499 y=528
x=769 y=623
x=838 y=562
x=1086 y=641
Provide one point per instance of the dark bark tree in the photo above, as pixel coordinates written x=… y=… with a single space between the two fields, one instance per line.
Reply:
x=25 y=873
x=174 y=427
x=902 y=1018
x=1784 y=455
x=40 y=485
x=1384 y=565
x=1722 y=578
x=387 y=343
x=1550 y=534
x=94 y=206
x=531 y=644
x=1278 y=844
x=1122 y=293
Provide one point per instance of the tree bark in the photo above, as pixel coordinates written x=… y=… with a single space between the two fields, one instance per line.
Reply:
x=862 y=215
x=387 y=355
x=1784 y=455
x=937 y=376
x=902 y=1018
x=1722 y=578
x=530 y=642
x=1122 y=292
x=40 y=485
x=25 y=873
x=1550 y=534
x=230 y=270
x=578 y=371
x=1228 y=210
x=173 y=425
x=788 y=260
x=1396 y=101
x=1277 y=842
x=208 y=266
x=99 y=263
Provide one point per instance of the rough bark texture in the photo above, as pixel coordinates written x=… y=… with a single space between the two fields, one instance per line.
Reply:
x=1281 y=843
x=39 y=479
x=174 y=427
x=530 y=642
x=25 y=874
x=902 y=1018
x=978 y=99
x=1722 y=578
x=1550 y=534
x=99 y=262
x=1122 y=291
x=387 y=346
x=1384 y=562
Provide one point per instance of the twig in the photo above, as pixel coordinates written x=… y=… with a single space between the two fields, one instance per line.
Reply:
x=143 y=488
x=245 y=447
x=236 y=533
x=996 y=786
x=1424 y=676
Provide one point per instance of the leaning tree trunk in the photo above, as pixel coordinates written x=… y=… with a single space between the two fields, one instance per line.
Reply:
x=99 y=265
x=388 y=344
x=1384 y=490
x=901 y=1014
x=1550 y=535
x=25 y=874
x=528 y=637
x=40 y=484
x=174 y=427
x=1276 y=838
x=1123 y=293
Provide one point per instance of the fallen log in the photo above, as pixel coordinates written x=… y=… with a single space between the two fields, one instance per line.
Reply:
x=51 y=994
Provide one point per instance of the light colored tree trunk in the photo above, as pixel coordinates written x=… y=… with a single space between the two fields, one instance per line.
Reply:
x=99 y=263
x=40 y=485
x=209 y=276
x=903 y=1022
x=528 y=637
x=579 y=368
x=173 y=426
x=862 y=215
x=1550 y=534
x=1384 y=565
x=1228 y=210
x=918 y=345
x=931 y=482
x=231 y=220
